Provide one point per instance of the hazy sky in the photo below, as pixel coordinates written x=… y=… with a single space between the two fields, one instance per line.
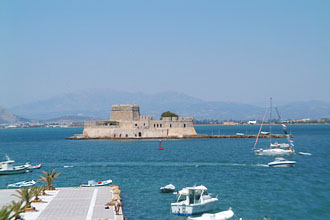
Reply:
x=241 y=51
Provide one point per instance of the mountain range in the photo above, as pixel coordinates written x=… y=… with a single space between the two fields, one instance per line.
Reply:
x=96 y=103
x=7 y=117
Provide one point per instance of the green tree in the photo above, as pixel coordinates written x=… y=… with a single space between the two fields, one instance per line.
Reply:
x=25 y=194
x=37 y=191
x=168 y=114
x=4 y=213
x=16 y=208
x=49 y=178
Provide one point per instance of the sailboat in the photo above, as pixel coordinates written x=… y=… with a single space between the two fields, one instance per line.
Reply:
x=274 y=149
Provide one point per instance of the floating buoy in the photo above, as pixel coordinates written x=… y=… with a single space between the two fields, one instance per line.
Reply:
x=160 y=145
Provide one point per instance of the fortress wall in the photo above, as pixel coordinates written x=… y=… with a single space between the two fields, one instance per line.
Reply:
x=108 y=132
x=179 y=132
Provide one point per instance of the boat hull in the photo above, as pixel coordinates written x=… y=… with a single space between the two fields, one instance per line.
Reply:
x=165 y=190
x=186 y=210
x=14 y=171
x=274 y=152
x=282 y=164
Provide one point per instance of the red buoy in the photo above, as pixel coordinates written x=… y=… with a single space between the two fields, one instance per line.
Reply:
x=160 y=145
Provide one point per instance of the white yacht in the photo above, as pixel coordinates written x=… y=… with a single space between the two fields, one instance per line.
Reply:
x=6 y=167
x=276 y=149
x=193 y=200
x=281 y=162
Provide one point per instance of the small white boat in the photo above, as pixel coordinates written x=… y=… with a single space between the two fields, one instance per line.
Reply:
x=281 y=162
x=264 y=132
x=38 y=166
x=216 y=216
x=92 y=183
x=22 y=184
x=193 y=200
x=6 y=167
x=305 y=154
x=167 y=189
x=240 y=134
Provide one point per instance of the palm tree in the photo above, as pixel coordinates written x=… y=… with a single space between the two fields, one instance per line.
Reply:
x=25 y=194
x=4 y=213
x=43 y=190
x=36 y=191
x=49 y=178
x=16 y=208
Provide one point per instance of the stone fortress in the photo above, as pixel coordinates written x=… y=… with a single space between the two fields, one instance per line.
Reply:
x=126 y=122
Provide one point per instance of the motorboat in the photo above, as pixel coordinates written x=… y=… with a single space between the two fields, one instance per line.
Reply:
x=281 y=162
x=92 y=183
x=274 y=152
x=167 y=189
x=6 y=167
x=216 y=216
x=193 y=200
x=22 y=184
x=38 y=166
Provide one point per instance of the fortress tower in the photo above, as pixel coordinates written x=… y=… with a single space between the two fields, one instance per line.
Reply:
x=125 y=113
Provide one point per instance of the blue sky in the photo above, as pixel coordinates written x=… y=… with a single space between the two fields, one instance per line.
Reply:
x=240 y=51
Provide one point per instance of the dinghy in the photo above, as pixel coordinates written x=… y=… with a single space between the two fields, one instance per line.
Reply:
x=217 y=216
x=167 y=189
x=38 y=166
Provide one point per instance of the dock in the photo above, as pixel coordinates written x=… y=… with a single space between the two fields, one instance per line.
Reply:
x=74 y=203
x=197 y=136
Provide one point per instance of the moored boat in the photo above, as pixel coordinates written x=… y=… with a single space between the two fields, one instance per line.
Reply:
x=6 y=167
x=276 y=149
x=92 y=183
x=274 y=152
x=281 y=162
x=216 y=216
x=22 y=184
x=38 y=166
x=167 y=189
x=193 y=200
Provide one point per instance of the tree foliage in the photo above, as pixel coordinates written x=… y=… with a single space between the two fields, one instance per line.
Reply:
x=49 y=178
x=168 y=114
x=25 y=194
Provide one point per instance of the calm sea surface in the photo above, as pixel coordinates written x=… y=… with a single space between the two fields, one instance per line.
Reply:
x=227 y=167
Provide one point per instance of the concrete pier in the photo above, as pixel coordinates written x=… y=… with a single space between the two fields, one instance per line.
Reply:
x=81 y=203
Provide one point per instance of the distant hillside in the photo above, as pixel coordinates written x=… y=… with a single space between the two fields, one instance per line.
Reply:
x=97 y=104
x=6 y=117
x=69 y=119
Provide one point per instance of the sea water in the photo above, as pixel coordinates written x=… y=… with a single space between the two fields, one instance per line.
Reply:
x=227 y=167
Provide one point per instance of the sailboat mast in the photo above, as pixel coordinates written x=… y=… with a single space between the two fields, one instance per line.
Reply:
x=270 y=121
